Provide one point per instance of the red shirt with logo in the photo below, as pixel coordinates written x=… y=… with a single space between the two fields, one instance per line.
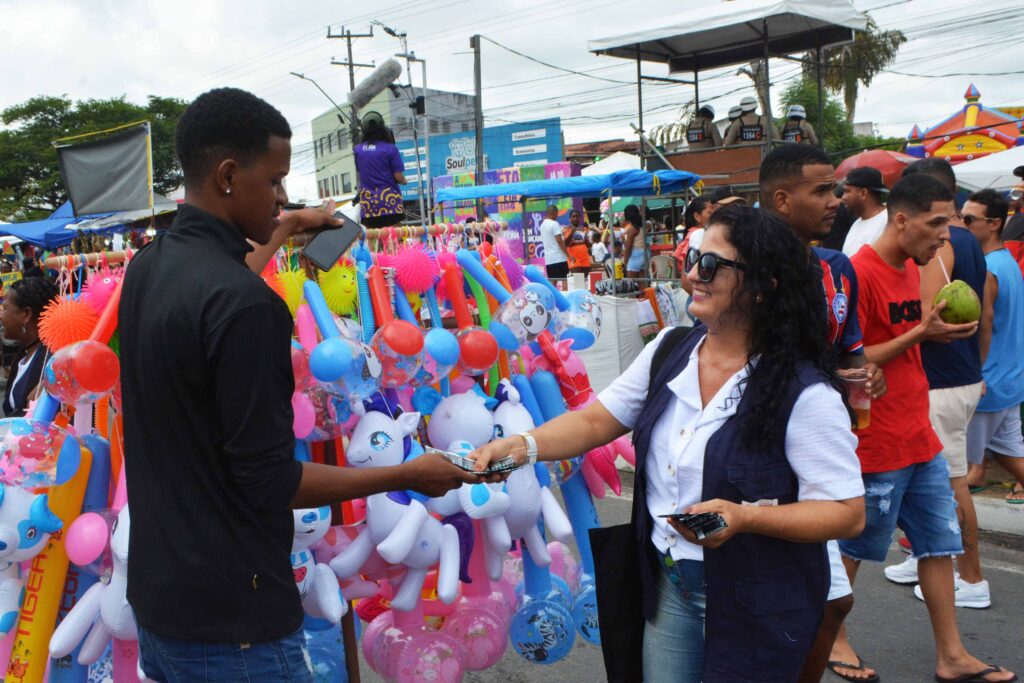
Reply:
x=900 y=433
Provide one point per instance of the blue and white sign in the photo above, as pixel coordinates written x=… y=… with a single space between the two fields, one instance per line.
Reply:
x=518 y=144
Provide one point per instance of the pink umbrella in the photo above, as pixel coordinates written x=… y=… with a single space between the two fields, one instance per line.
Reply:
x=889 y=164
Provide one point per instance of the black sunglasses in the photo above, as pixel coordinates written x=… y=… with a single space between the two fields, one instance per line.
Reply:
x=707 y=264
x=968 y=219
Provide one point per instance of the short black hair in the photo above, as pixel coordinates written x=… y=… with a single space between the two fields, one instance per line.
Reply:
x=34 y=293
x=940 y=169
x=995 y=203
x=720 y=193
x=225 y=122
x=916 y=192
x=787 y=163
x=632 y=214
x=696 y=205
x=374 y=130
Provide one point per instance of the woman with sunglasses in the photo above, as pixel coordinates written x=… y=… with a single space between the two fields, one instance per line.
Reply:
x=742 y=417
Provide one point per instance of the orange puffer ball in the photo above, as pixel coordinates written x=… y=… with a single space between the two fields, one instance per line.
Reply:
x=66 y=321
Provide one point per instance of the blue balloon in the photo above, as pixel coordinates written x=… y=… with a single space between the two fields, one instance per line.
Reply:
x=331 y=359
x=542 y=631
x=442 y=346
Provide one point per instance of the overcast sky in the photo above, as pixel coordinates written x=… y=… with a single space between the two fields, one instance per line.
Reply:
x=105 y=48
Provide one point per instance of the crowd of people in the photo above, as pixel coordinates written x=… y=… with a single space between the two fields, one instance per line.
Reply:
x=744 y=415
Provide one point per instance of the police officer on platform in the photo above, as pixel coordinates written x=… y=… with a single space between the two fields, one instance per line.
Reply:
x=702 y=133
x=797 y=128
x=750 y=128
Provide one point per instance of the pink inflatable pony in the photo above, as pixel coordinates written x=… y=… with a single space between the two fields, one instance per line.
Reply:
x=599 y=464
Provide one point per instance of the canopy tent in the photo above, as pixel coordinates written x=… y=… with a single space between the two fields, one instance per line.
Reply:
x=61 y=227
x=993 y=171
x=708 y=36
x=628 y=182
x=620 y=161
x=48 y=232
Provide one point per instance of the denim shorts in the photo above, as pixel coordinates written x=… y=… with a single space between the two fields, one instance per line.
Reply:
x=919 y=500
x=182 y=661
x=674 y=640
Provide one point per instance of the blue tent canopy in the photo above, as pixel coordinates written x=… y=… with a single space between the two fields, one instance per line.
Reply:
x=49 y=232
x=628 y=182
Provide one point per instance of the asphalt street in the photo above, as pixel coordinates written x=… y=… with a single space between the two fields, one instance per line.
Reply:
x=888 y=626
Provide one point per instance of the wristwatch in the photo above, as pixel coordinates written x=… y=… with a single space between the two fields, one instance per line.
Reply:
x=531 y=447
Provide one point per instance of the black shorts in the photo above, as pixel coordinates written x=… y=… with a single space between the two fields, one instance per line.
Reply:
x=557 y=271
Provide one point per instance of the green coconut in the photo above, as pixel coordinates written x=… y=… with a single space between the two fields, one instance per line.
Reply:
x=962 y=304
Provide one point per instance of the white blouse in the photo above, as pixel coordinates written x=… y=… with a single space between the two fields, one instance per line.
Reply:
x=820 y=447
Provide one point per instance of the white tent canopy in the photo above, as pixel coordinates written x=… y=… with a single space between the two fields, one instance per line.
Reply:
x=993 y=171
x=707 y=35
x=616 y=162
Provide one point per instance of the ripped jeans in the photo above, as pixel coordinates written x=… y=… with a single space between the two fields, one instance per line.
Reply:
x=919 y=500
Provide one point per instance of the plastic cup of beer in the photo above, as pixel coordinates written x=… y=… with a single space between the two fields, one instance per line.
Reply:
x=860 y=400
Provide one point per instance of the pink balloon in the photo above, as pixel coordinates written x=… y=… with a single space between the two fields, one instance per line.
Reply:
x=431 y=656
x=86 y=538
x=481 y=631
x=462 y=384
x=306 y=327
x=304 y=415
x=372 y=634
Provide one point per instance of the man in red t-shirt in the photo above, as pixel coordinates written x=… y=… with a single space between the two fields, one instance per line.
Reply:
x=906 y=479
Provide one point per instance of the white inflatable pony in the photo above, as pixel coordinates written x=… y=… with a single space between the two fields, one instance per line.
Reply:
x=103 y=612
x=530 y=500
x=317 y=584
x=398 y=526
x=460 y=423
x=25 y=527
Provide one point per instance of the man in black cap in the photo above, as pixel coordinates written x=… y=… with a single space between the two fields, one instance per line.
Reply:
x=864 y=195
x=1014 y=229
x=702 y=133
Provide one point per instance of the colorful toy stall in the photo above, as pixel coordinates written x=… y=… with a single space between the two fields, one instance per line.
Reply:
x=524 y=244
x=971 y=133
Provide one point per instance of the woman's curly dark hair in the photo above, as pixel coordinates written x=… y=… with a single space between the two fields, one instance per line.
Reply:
x=34 y=293
x=788 y=324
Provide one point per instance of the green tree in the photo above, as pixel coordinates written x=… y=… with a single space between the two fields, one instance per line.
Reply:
x=30 y=182
x=838 y=131
x=849 y=66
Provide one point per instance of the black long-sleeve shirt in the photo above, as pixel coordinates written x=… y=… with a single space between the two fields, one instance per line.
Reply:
x=206 y=386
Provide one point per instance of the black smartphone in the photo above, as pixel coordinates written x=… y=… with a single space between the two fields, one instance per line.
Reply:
x=327 y=246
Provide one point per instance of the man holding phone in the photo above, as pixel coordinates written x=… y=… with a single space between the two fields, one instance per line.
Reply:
x=206 y=373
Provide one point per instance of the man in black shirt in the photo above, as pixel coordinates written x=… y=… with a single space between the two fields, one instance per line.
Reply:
x=207 y=382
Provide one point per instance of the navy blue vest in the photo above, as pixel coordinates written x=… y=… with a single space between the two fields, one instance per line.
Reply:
x=765 y=596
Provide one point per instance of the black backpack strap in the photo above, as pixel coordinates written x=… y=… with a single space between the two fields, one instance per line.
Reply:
x=675 y=336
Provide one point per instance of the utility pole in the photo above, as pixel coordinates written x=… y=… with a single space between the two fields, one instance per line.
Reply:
x=349 y=37
x=474 y=44
x=410 y=59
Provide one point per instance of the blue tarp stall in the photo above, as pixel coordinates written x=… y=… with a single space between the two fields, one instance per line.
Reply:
x=628 y=182
x=50 y=232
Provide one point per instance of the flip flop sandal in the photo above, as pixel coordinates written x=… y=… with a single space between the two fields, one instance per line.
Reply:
x=978 y=677
x=859 y=666
x=978 y=489
x=1015 y=501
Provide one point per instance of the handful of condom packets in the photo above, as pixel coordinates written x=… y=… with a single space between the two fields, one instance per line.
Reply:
x=702 y=524
x=506 y=464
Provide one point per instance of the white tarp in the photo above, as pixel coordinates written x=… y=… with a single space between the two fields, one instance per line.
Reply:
x=708 y=35
x=993 y=171
x=616 y=162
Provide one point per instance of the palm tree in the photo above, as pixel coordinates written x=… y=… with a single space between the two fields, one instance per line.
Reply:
x=848 y=66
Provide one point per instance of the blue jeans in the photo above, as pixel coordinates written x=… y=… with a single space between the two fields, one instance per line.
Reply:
x=674 y=641
x=919 y=500
x=183 y=661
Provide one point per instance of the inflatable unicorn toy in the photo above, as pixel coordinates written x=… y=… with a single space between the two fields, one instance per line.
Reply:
x=317 y=584
x=25 y=527
x=461 y=423
x=397 y=525
x=530 y=500
x=103 y=612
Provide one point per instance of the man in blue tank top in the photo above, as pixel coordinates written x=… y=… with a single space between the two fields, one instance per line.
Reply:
x=955 y=386
x=996 y=427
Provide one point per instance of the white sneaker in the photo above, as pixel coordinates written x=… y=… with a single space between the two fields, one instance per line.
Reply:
x=904 y=573
x=972 y=595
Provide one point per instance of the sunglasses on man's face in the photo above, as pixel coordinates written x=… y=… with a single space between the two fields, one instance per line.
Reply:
x=708 y=264
x=968 y=219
